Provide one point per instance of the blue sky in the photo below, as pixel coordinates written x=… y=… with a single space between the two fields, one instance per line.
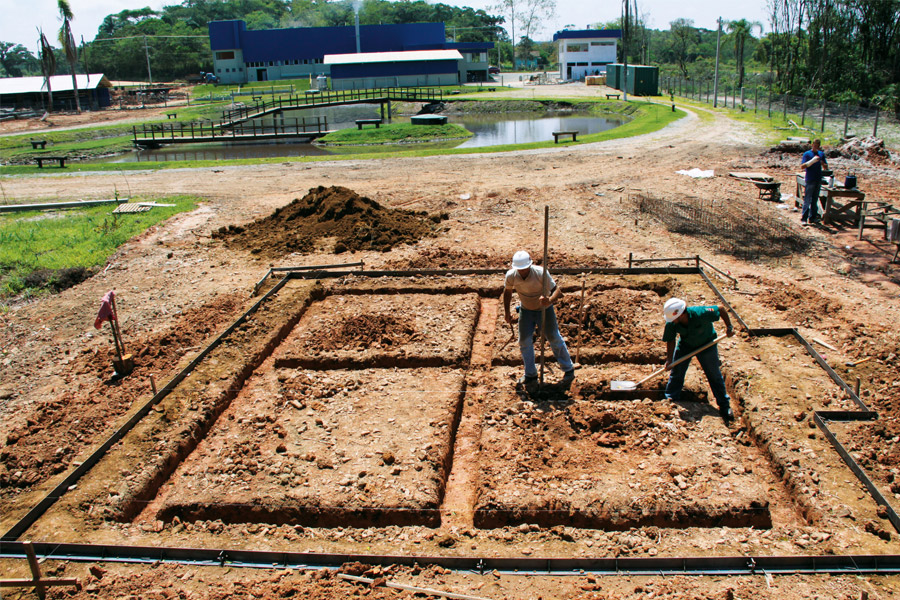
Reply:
x=21 y=18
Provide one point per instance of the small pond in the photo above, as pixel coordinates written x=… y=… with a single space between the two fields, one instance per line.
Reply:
x=493 y=129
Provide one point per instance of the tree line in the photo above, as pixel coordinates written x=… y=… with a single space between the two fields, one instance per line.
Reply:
x=843 y=50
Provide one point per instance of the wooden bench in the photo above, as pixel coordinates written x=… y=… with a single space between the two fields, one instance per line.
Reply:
x=556 y=135
x=616 y=96
x=361 y=122
x=60 y=159
x=172 y=115
x=35 y=144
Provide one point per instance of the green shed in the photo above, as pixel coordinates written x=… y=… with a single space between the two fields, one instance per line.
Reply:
x=643 y=80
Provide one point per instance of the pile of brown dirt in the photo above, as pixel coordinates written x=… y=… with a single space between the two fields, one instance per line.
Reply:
x=354 y=222
x=367 y=330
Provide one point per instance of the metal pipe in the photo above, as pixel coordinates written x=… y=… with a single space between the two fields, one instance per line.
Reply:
x=629 y=566
x=723 y=300
x=858 y=471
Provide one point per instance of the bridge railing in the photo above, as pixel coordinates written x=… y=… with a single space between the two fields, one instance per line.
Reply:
x=314 y=98
x=162 y=132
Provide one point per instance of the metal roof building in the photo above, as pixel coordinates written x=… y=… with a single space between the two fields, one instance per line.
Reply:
x=31 y=92
x=241 y=55
x=394 y=69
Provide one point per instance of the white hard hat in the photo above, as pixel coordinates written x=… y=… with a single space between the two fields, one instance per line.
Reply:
x=521 y=260
x=673 y=309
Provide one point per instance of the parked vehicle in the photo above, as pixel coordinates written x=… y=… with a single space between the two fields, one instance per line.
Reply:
x=492 y=70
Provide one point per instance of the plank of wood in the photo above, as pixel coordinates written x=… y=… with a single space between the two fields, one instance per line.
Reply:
x=762 y=177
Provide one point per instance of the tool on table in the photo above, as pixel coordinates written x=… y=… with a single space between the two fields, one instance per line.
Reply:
x=620 y=386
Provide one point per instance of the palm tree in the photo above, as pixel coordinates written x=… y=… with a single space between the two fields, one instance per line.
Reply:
x=68 y=43
x=741 y=29
x=48 y=65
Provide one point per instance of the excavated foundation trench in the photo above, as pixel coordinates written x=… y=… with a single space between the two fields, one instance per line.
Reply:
x=340 y=406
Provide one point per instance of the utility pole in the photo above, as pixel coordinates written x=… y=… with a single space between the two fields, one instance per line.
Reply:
x=147 y=54
x=716 y=79
x=625 y=52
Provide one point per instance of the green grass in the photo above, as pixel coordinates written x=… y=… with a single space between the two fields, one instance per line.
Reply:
x=53 y=240
x=392 y=133
x=773 y=129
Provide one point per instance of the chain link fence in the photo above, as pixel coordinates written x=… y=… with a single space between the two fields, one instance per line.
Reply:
x=811 y=117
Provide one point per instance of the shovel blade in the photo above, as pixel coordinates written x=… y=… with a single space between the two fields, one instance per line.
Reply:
x=622 y=386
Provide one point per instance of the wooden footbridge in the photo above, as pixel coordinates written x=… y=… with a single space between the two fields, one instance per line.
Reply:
x=239 y=124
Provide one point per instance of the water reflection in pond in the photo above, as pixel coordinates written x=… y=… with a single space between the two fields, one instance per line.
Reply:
x=489 y=130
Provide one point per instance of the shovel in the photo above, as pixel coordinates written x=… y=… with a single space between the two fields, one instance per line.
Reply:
x=624 y=386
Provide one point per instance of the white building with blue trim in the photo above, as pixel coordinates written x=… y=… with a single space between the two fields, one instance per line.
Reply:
x=586 y=51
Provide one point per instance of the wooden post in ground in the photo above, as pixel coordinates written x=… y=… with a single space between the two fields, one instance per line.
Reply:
x=39 y=584
x=580 y=323
x=544 y=290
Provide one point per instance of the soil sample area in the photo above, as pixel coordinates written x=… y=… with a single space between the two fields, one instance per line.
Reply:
x=325 y=448
x=408 y=330
x=612 y=464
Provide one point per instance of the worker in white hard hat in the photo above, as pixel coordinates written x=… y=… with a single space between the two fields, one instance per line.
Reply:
x=693 y=326
x=527 y=280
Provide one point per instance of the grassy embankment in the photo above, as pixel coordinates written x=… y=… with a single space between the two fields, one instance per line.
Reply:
x=84 y=143
x=42 y=251
x=772 y=129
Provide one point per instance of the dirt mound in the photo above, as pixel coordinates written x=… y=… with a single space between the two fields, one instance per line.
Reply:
x=325 y=216
x=367 y=331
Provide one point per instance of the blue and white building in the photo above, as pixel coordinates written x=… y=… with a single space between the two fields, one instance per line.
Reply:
x=586 y=51
x=384 y=52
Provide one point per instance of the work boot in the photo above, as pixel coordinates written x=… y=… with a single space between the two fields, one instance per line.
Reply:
x=726 y=413
x=568 y=378
x=527 y=380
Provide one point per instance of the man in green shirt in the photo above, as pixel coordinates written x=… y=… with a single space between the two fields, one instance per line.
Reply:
x=693 y=326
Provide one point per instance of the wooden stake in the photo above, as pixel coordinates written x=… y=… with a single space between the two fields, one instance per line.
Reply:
x=545 y=291
x=581 y=322
x=36 y=581
x=153 y=384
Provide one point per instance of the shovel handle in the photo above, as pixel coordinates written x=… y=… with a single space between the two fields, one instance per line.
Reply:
x=681 y=360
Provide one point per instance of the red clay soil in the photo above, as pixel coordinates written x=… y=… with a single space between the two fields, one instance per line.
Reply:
x=383 y=330
x=335 y=216
x=684 y=467
x=324 y=448
x=61 y=428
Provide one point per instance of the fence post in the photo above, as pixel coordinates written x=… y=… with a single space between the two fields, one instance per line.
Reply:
x=755 y=100
x=742 y=98
x=770 y=103
x=784 y=101
x=846 y=117
x=803 y=116
x=824 y=110
x=875 y=129
x=734 y=96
